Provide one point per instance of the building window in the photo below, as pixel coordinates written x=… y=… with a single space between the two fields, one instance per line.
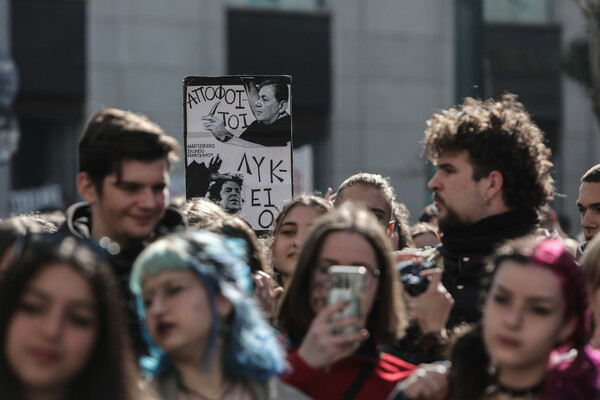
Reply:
x=518 y=11
x=281 y=4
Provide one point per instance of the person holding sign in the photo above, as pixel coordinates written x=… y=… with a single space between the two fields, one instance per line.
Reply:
x=273 y=125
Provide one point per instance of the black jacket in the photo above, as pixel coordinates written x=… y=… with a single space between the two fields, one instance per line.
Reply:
x=79 y=223
x=465 y=255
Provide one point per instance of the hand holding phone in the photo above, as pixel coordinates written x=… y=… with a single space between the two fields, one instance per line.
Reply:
x=347 y=283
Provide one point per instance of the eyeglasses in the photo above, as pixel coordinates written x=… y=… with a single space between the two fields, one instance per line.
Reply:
x=167 y=292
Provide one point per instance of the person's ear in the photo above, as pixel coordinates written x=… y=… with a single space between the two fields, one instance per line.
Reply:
x=282 y=106
x=87 y=188
x=495 y=182
x=224 y=305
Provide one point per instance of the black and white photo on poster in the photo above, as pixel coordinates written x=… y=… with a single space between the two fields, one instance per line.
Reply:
x=238 y=139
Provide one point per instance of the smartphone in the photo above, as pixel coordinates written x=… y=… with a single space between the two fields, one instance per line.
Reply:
x=347 y=283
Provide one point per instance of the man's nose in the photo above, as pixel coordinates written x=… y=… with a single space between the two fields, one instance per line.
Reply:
x=587 y=221
x=148 y=199
x=433 y=183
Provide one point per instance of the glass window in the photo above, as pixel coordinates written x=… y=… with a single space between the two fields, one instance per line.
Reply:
x=518 y=11
x=281 y=4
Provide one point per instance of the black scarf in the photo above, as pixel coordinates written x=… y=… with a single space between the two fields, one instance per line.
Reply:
x=483 y=235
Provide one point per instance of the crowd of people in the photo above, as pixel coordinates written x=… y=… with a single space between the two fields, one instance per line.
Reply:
x=130 y=295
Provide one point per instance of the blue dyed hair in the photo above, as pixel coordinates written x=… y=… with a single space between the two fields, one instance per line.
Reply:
x=251 y=349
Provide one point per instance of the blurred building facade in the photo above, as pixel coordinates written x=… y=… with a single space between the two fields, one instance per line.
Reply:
x=366 y=76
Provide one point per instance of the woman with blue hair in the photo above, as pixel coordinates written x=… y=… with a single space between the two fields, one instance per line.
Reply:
x=207 y=336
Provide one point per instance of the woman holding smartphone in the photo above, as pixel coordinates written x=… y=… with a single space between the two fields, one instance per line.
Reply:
x=61 y=325
x=325 y=362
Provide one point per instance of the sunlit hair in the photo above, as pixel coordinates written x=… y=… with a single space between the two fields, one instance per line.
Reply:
x=388 y=318
x=251 y=350
x=201 y=212
x=401 y=215
x=232 y=226
x=498 y=135
x=370 y=181
x=110 y=372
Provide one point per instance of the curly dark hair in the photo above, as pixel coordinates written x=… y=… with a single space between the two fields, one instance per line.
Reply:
x=498 y=135
x=214 y=191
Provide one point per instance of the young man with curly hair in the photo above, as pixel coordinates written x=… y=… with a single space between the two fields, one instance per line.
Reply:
x=493 y=174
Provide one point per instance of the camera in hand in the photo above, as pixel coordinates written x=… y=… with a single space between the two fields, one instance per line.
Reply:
x=414 y=284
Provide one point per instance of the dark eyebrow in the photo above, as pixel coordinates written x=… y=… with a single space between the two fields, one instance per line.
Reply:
x=128 y=183
x=37 y=293
x=537 y=299
x=331 y=261
x=33 y=291
x=377 y=210
x=445 y=165
x=591 y=205
x=288 y=223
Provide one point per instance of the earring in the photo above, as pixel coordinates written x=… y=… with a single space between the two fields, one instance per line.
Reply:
x=487 y=200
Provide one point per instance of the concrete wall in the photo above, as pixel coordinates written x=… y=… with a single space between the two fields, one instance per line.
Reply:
x=580 y=145
x=140 y=51
x=393 y=64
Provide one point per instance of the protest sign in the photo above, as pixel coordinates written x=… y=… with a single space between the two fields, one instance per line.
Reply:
x=238 y=140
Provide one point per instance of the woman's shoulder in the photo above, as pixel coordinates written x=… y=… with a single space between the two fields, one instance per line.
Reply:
x=273 y=389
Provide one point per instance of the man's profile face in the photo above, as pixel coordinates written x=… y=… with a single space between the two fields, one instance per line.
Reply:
x=589 y=208
x=129 y=208
x=267 y=106
x=460 y=199
x=231 y=198
x=369 y=197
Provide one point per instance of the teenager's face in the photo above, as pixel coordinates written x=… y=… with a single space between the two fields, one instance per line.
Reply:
x=524 y=317
x=53 y=330
x=369 y=197
x=267 y=106
x=231 y=197
x=344 y=248
x=457 y=196
x=290 y=237
x=178 y=315
x=130 y=208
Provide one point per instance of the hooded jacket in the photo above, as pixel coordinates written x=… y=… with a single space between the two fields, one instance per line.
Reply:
x=79 y=223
